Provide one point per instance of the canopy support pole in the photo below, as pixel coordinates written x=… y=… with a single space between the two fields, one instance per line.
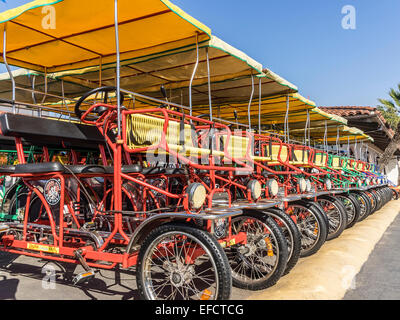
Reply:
x=337 y=141
x=63 y=96
x=355 y=150
x=286 y=127
x=45 y=85
x=306 y=128
x=101 y=72
x=118 y=80
x=361 y=154
x=259 y=104
x=193 y=74
x=209 y=86
x=348 y=146
x=8 y=67
x=251 y=99
x=326 y=138
x=309 y=133
x=33 y=81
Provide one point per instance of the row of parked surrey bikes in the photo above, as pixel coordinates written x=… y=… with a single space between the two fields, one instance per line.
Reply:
x=189 y=206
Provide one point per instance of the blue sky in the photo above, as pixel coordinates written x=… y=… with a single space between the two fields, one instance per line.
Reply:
x=304 y=42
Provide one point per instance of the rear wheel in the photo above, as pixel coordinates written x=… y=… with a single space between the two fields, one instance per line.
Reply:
x=379 y=199
x=180 y=262
x=372 y=200
x=395 y=194
x=365 y=205
x=311 y=224
x=291 y=233
x=352 y=208
x=261 y=262
x=336 y=214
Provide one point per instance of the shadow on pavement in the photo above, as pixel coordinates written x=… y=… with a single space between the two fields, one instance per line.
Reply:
x=64 y=273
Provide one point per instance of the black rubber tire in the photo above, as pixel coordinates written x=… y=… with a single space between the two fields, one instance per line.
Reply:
x=365 y=202
x=388 y=193
x=373 y=201
x=34 y=206
x=357 y=206
x=391 y=194
x=292 y=235
x=341 y=212
x=273 y=277
x=209 y=242
x=395 y=194
x=321 y=226
x=378 y=197
x=385 y=194
x=317 y=206
x=350 y=203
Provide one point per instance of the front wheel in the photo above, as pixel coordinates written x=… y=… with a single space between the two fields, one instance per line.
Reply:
x=260 y=262
x=291 y=233
x=311 y=224
x=180 y=262
x=336 y=213
x=352 y=207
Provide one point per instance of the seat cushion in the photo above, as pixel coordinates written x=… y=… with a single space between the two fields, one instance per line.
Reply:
x=132 y=168
x=174 y=171
x=153 y=170
x=7 y=169
x=89 y=169
x=136 y=168
x=44 y=167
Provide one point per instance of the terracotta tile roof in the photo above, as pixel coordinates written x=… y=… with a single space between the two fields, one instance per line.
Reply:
x=350 y=111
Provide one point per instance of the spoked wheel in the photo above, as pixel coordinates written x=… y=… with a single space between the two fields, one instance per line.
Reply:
x=311 y=224
x=180 y=262
x=395 y=194
x=372 y=200
x=291 y=234
x=260 y=262
x=388 y=193
x=365 y=205
x=336 y=214
x=352 y=208
x=378 y=198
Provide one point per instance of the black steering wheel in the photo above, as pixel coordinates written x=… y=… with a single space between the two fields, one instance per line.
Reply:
x=99 y=110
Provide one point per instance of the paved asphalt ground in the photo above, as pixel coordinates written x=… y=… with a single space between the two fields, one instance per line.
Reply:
x=379 y=278
x=22 y=277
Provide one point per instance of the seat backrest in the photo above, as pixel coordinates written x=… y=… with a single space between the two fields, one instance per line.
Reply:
x=237 y=147
x=349 y=164
x=299 y=156
x=271 y=151
x=284 y=154
x=145 y=131
x=336 y=162
x=320 y=159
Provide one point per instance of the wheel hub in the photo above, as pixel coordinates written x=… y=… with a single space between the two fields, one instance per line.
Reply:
x=181 y=276
x=176 y=279
x=248 y=249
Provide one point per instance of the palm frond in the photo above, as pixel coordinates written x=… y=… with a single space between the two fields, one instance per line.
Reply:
x=395 y=96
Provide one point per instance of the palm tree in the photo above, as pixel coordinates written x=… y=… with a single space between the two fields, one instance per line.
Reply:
x=390 y=110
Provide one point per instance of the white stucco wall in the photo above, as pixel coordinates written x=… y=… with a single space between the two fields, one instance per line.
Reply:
x=392 y=169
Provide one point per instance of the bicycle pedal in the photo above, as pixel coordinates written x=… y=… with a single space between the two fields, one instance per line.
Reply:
x=83 y=277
